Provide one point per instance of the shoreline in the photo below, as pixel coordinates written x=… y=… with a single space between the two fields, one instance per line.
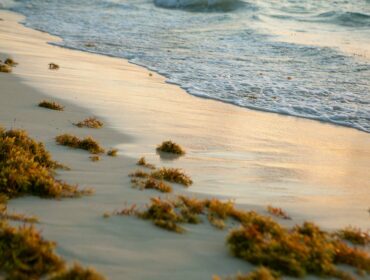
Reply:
x=121 y=245
x=198 y=124
x=56 y=41
x=167 y=81
x=232 y=151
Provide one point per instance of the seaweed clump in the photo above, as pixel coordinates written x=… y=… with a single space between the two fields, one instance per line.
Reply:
x=219 y=211
x=151 y=183
x=88 y=143
x=189 y=210
x=354 y=235
x=51 y=105
x=170 y=214
x=139 y=174
x=170 y=147
x=142 y=162
x=91 y=122
x=303 y=250
x=94 y=158
x=154 y=180
x=25 y=254
x=10 y=62
x=298 y=251
x=53 y=66
x=27 y=168
x=112 y=152
x=354 y=257
x=278 y=212
x=4 y=68
x=173 y=175
x=163 y=215
x=77 y=272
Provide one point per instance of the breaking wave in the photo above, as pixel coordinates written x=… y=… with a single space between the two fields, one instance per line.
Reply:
x=351 y=19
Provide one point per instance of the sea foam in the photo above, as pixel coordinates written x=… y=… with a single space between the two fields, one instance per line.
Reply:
x=230 y=54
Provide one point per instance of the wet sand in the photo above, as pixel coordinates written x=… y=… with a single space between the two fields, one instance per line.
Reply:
x=315 y=171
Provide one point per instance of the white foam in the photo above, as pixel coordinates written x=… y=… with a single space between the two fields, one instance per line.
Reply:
x=224 y=54
x=7 y=4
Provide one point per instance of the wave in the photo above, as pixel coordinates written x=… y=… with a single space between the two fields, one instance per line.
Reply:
x=7 y=4
x=223 y=56
x=194 y=3
x=350 y=19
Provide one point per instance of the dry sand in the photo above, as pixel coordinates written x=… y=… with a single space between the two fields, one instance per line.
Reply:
x=315 y=171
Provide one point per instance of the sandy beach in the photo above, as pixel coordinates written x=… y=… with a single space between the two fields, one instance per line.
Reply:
x=315 y=171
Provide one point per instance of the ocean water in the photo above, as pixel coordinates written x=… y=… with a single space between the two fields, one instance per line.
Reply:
x=298 y=57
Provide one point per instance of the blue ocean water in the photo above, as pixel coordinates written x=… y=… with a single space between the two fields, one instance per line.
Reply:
x=241 y=52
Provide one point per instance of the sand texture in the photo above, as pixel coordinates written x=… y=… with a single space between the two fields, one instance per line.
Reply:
x=315 y=171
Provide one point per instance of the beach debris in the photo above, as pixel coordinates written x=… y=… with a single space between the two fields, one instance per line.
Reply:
x=94 y=158
x=139 y=174
x=3 y=201
x=171 y=213
x=151 y=183
x=10 y=62
x=127 y=211
x=162 y=213
x=142 y=162
x=25 y=254
x=77 y=272
x=91 y=122
x=188 y=210
x=53 y=66
x=4 y=68
x=154 y=180
x=174 y=175
x=219 y=211
x=22 y=248
x=277 y=212
x=51 y=105
x=90 y=45
x=354 y=235
x=107 y=215
x=27 y=168
x=297 y=251
x=150 y=74
x=112 y=152
x=170 y=147
x=88 y=143
x=304 y=249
